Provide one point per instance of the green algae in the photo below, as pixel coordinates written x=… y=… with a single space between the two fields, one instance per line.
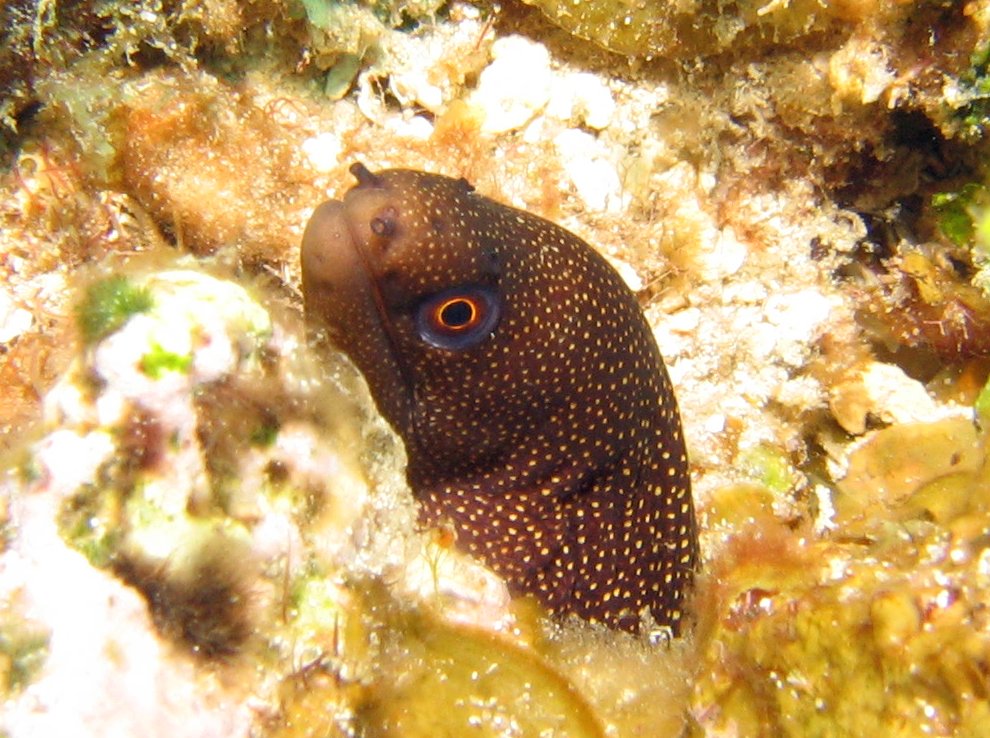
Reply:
x=265 y=434
x=770 y=467
x=958 y=211
x=340 y=30
x=326 y=14
x=160 y=360
x=974 y=87
x=982 y=404
x=963 y=216
x=89 y=521
x=23 y=650
x=345 y=34
x=340 y=77
x=109 y=303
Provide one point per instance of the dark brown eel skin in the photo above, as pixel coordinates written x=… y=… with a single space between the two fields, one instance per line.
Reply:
x=518 y=368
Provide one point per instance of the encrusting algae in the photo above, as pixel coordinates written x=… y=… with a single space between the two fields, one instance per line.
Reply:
x=879 y=626
x=208 y=531
x=685 y=30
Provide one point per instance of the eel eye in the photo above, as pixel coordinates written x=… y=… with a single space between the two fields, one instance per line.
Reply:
x=457 y=314
x=459 y=318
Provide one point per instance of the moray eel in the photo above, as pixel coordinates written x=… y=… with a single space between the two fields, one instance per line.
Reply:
x=537 y=415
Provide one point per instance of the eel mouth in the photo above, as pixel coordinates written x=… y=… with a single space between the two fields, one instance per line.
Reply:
x=335 y=245
x=340 y=260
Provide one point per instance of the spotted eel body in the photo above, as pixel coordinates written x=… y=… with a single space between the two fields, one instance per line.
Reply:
x=518 y=368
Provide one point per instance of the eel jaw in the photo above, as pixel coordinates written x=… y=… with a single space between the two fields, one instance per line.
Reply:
x=341 y=295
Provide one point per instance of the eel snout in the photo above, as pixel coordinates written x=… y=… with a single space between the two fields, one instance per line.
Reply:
x=341 y=257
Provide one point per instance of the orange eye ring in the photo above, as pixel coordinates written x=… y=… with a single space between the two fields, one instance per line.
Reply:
x=459 y=318
x=458 y=313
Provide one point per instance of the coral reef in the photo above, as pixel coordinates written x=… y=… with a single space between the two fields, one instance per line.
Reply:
x=203 y=528
x=879 y=626
x=198 y=454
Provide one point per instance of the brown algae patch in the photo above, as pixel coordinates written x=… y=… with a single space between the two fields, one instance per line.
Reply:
x=681 y=30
